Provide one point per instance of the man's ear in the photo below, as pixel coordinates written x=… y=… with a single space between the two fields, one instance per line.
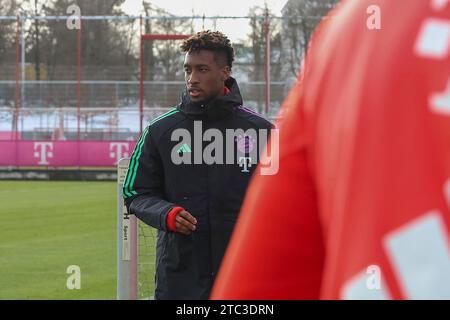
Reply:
x=226 y=71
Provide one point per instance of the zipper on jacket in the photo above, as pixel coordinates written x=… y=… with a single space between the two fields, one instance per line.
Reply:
x=208 y=199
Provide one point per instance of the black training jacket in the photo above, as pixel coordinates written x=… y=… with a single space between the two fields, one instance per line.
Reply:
x=186 y=266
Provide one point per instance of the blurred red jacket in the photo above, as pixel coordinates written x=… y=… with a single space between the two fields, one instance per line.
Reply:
x=359 y=208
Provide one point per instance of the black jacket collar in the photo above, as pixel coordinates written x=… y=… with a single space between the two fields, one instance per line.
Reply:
x=215 y=109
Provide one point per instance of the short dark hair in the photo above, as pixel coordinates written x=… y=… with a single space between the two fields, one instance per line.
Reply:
x=215 y=41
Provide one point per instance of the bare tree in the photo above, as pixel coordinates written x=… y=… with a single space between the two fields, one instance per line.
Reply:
x=301 y=19
x=7 y=57
x=149 y=58
x=167 y=56
x=260 y=26
x=102 y=42
x=37 y=60
x=7 y=32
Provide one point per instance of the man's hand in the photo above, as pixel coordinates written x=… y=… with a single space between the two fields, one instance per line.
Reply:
x=185 y=222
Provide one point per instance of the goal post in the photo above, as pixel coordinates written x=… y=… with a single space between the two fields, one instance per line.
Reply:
x=136 y=246
x=127 y=240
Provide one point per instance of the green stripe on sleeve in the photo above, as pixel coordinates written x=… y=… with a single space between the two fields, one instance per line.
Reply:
x=139 y=144
x=134 y=164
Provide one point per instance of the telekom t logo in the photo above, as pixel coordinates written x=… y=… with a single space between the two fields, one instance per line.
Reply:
x=433 y=42
x=43 y=151
x=245 y=162
x=118 y=150
x=439 y=4
x=419 y=253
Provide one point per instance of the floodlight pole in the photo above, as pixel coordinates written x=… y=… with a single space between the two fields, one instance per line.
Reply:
x=22 y=40
x=267 y=61
x=78 y=79
x=16 y=113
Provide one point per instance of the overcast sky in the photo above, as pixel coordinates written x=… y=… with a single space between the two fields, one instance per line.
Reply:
x=235 y=29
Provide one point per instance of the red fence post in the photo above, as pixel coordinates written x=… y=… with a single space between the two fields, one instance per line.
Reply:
x=16 y=112
x=78 y=79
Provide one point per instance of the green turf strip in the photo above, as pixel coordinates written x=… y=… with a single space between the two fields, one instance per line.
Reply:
x=48 y=226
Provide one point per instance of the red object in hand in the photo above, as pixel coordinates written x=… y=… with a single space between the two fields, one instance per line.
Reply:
x=171 y=223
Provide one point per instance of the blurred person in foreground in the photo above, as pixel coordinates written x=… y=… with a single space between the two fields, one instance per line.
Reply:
x=360 y=206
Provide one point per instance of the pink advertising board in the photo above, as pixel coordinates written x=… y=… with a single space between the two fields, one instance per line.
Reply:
x=64 y=153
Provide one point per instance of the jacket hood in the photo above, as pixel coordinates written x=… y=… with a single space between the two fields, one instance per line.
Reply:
x=216 y=108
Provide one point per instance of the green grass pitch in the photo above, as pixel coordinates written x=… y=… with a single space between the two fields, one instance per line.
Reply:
x=48 y=226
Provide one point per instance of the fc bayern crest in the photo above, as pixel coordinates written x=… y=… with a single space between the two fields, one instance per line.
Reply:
x=245 y=143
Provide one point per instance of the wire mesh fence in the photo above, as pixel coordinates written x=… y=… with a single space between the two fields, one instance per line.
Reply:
x=60 y=82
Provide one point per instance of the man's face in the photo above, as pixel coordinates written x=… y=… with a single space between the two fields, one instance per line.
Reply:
x=204 y=76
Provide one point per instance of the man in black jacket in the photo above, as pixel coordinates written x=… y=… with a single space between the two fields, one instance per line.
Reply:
x=192 y=190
